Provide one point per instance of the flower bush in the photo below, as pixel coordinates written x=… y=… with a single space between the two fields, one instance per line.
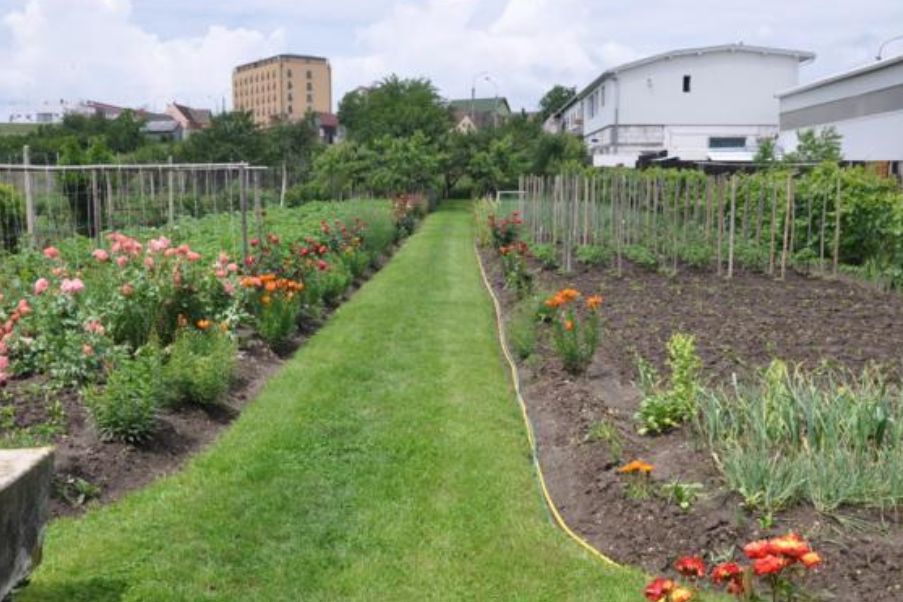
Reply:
x=505 y=231
x=777 y=571
x=200 y=364
x=576 y=333
x=514 y=264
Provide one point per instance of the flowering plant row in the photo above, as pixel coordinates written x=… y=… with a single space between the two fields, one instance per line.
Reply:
x=776 y=567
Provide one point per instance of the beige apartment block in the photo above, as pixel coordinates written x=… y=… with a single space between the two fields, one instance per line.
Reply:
x=282 y=87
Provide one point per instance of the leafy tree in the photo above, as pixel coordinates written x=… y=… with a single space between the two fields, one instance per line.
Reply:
x=230 y=137
x=78 y=187
x=766 y=153
x=292 y=144
x=396 y=107
x=816 y=146
x=403 y=164
x=554 y=99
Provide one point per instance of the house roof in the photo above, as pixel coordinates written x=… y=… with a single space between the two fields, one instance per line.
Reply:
x=279 y=57
x=328 y=120
x=196 y=118
x=161 y=126
x=481 y=105
x=868 y=68
x=801 y=55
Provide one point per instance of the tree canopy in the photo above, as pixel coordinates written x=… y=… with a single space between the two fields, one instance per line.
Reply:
x=554 y=99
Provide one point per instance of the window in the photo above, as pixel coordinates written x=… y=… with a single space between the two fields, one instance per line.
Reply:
x=686 y=83
x=601 y=97
x=591 y=106
x=310 y=98
x=310 y=86
x=728 y=142
x=289 y=98
x=290 y=109
x=310 y=74
x=288 y=72
x=290 y=85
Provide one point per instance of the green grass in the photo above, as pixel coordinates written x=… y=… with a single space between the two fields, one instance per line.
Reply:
x=386 y=461
x=17 y=129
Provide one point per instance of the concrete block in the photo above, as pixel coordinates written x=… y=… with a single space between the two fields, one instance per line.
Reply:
x=25 y=481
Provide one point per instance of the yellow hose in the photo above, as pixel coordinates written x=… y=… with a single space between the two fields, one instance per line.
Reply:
x=529 y=426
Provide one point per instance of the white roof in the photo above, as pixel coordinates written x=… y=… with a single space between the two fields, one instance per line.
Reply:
x=876 y=66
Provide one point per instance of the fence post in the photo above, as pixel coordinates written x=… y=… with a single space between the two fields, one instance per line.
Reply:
x=30 y=217
x=258 y=211
x=95 y=202
x=243 y=204
x=730 y=240
x=169 y=186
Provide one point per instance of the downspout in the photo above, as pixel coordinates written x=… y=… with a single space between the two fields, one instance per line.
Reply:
x=614 y=132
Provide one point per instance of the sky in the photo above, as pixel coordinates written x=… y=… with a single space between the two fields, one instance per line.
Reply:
x=145 y=53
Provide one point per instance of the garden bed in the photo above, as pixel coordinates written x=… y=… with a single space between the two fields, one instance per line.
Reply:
x=739 y=327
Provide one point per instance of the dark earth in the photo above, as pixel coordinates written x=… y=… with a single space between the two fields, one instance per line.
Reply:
x=739 y=326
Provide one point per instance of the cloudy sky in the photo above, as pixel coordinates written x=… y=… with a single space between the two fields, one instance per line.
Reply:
x=147 y=52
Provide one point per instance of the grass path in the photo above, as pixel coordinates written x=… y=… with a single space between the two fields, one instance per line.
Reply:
x=385 y=461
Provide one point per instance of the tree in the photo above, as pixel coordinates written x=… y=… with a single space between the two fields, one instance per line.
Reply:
x=816 y=146
x=292 y=144
x=554 y=99
x=230 y=137
x=397 y=108
x=766 y=153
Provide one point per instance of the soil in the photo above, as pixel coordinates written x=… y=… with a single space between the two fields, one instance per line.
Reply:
x=739 y=326
x=111 y=469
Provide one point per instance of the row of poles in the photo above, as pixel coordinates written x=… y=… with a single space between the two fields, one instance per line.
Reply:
x=617 y=209
x=62 y=200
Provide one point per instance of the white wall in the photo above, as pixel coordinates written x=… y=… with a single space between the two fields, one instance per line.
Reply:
x=870 y=81
x=873 y=138
x=726 y=89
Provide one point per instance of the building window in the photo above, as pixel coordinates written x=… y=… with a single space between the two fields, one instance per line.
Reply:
x=310 y=74
x=289 y=85
x=290 y=109
x=686 y=83
x=310 y=98
x=601 y=97
x=310 y=86
x=288 y=72
x=289 y=96
x=727 y=142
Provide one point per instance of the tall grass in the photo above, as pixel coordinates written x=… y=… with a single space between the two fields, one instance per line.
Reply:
x=828 y=438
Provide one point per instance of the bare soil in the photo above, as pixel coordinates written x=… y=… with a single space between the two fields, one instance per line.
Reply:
x=739 y=326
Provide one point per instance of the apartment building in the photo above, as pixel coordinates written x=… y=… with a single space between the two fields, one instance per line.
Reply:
x=283 y=87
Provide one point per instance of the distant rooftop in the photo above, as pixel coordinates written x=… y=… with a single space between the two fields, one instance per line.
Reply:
x=867 y=68
x=280 y=57
x=480 y=105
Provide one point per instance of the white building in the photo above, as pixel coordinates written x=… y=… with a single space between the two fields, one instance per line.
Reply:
x=696 y=104
x=864 y=105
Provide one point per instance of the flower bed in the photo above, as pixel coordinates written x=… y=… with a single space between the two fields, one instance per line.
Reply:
x=146 y=347
x=679 y=496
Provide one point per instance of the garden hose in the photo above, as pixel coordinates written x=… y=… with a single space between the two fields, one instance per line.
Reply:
x=515 y=377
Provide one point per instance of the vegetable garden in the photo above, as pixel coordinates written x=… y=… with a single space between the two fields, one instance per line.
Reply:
x=710 y=361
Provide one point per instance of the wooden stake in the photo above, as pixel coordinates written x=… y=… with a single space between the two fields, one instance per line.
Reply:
x=837 y=210
x=787 y=215
x=730 y=240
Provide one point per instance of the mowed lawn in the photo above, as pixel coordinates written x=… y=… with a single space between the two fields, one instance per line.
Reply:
x=386 y=461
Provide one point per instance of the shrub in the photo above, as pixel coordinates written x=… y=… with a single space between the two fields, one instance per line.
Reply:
x=126 y=408
x=641 y=256
x=200 y=366
x=695 y=255
x=593 y=255
x=505 y=231
x=575 y=338
x=751 y=256
x=663 y=409
x=545 y=254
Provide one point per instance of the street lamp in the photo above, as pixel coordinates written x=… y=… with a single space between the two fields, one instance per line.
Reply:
x=473 y=90
x=885 y=43
x=495 y=103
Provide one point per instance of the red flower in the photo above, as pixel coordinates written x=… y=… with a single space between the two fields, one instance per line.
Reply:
x=690 y=566
x=658 y=589
x=757 y=549
x=810 y=559
x=791 y=545
x=726 y=571
x=769 y=565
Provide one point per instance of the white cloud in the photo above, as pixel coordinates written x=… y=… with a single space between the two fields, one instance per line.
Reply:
x=77 y=49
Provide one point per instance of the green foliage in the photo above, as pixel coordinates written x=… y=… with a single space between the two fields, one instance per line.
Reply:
x=826 y=438
x=231 y=137
x=12 y=217
x=522 y=328
x=593 y=255
x=606 y=432
x=696 y=254
x=766 y=153
x=546 y=254
x=200 y=366
x=125 y=409
x=684 y=495
x=664 y=408
x=554 y=99
x=576 y=337
x=816 y=146
x=641 y=256
x=396 y=108
x=514 y=264
x=277 y=317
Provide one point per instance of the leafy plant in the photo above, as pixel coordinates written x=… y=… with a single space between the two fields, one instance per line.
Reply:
x=514 y=264
x=522 y=328
x=545 y=254
x=126 y=408
x=641 y=256
x=200 y=366
x=682 y=494
x=575 y=337
x=593 y=255
x=696 y=255
x=665 y=408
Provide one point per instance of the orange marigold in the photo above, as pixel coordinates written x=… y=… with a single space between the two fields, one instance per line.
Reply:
x=810 y=559
x=636 y=466
x=757 y=549
x=569 y=294
x=569 y=325
x=791 y=545
x=203 y=324
x=594 y=302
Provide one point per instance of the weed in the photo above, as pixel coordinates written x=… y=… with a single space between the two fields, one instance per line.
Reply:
x=666 y=408
x=682 y=494
x=522 y=328
x=607 y=433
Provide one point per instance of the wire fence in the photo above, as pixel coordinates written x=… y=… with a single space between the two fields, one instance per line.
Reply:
x=43 y=204
x=683 y=218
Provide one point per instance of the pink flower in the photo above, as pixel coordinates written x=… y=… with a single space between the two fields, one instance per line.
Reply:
x=232 y=267
x=149 y=263
x=157 y=245
x=220 y=273
x=122 y=260
x=100 y=255
x=57 y=272
x=222 y=259
x=3 y=348
x=229 y=288
x=72 y=287
x=51 y=253
x=4 y=363
x=95 y=327
x=170 y=252
x=23 y=308
x=192 y=256
x=322 y=265
x=41 y=285
x=87 y=350
x=127 y=290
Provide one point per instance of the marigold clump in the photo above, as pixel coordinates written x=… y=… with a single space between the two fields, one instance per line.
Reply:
x=636 y=466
